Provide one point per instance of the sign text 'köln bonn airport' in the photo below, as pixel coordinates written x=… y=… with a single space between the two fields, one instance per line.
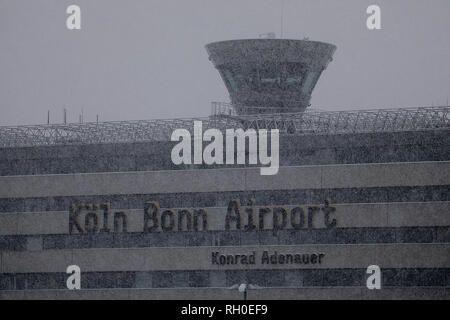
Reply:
x=94 y=218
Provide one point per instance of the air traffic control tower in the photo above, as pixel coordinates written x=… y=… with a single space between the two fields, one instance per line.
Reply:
x=270 y=75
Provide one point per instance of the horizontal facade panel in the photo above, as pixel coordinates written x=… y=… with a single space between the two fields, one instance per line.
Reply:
x=231 y=258
x=121 y=294
x=294 y=151
x=269 y=278
x=218 y=180
x=350 y=293
x=273 y=197
x=296 y=142
x=229 y=294
x=225 y=238
x=34 y=223
x=355 y=215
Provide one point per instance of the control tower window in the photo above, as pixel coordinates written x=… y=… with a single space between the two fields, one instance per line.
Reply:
x=294 y=80
x=230 y=79
x=309 y=81
x=238 y=79
x=270 y=78
x=289 y=76
x=293 y=75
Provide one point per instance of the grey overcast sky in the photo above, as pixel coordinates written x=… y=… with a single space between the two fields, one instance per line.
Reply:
x=146 y=59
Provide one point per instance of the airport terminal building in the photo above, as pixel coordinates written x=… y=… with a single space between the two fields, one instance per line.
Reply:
x=354 y=189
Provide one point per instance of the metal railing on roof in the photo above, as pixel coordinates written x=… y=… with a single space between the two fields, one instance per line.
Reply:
x=225 y=117
x=335 y=122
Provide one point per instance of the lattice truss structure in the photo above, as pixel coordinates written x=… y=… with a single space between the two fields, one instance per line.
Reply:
x=334 y=122
x=224 y=116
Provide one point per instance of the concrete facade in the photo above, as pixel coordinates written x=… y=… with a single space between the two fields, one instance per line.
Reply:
x=353 y=215
x=227 y=294
x=219 y=180
x=392 y=213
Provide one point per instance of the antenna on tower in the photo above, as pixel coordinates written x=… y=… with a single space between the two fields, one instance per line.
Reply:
x=281 y=19
x=48 y=116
